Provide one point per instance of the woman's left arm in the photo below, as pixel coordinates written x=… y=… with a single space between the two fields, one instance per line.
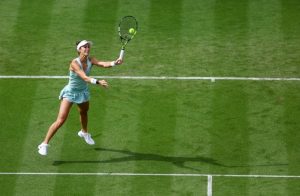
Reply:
x=106 y=64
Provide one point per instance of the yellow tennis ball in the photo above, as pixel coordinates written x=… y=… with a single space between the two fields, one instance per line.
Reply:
x=131 y=31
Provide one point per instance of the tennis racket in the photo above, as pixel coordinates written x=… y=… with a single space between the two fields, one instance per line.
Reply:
x=128 y=27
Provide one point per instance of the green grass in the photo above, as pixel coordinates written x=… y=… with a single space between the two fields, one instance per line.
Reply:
x=154 y=126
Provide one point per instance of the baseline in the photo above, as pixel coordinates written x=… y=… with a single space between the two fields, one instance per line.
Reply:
x=156 y=78
x=150 y=174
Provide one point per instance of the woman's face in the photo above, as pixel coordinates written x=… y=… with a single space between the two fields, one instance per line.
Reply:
x=85 y=49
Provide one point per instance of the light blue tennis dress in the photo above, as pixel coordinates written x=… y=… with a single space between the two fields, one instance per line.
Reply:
x=77 y=90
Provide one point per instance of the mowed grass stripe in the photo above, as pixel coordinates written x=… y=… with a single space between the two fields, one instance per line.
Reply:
x=102 y=29
x=8 y=14
x=268 y=152
x=162 y=44
x=16 y=95
x=65 y=29
x=231 y=35
x=266 y=39
x=24 y=39
x=193 y=121
x=290 y=27
x=267 y=144
x=29 y=16
x=290 y=120
x=197 y=23
x=156 y=138
x=17 y=102
x=158 y=109
x=46 y=92
x=229 y=131
x=38 y=123
x=28 y=41
x=192 y=142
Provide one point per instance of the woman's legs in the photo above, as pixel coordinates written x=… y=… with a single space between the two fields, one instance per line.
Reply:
x=63 y=113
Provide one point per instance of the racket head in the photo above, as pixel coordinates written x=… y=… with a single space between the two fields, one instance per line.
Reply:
x=126 y=23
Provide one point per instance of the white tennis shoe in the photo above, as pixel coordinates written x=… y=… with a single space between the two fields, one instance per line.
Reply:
x=43 y=149
x=87 y=137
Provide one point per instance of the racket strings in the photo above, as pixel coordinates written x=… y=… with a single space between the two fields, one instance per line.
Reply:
x=126 y=24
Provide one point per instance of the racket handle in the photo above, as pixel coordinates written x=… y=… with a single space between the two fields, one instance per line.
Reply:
x=122 y=54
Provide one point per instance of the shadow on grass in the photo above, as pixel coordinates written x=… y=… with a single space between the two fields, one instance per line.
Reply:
x=178 y=161
x=135 y=156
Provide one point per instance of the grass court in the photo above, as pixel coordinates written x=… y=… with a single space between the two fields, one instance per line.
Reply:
x=149 y=130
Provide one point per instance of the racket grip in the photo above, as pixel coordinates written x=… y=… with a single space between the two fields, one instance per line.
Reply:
x=122 y=54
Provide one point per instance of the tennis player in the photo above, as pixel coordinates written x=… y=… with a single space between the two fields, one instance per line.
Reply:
x=77 y=92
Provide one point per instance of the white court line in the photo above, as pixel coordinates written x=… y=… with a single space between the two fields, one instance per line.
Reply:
x=147 y=174
x=158 y=78
x=209 y=185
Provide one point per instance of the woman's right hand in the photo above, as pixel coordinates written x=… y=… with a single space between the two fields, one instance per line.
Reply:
x=118 y=61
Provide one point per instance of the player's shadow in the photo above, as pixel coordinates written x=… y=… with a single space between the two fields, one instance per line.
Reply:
x=178 y=161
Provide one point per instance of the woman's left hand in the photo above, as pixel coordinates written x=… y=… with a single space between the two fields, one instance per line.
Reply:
x=103 y=83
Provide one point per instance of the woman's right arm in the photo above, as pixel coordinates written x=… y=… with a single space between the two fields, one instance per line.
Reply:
x=76 y=68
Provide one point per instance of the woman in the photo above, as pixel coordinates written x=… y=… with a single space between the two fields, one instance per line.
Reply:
x=77 y=92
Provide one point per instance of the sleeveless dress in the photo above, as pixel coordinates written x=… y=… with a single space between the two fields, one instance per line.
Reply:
x=77 y=91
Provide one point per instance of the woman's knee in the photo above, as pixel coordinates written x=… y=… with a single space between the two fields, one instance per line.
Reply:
x=83 y=108
x=60 y=121
x=83 y=112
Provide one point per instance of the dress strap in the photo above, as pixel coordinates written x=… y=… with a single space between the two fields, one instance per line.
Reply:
x=79 y=62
